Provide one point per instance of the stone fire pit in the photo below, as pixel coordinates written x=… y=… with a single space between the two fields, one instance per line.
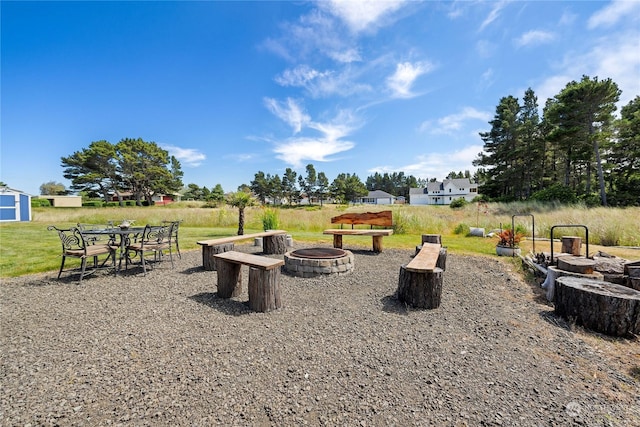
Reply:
x=314 y=262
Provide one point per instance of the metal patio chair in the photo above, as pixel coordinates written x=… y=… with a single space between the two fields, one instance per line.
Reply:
x=155 y=239
x=76 y=245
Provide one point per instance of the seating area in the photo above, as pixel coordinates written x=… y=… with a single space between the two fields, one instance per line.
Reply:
x=383 y=219
x=134 y=245
x=273 y=242
x=77 y=244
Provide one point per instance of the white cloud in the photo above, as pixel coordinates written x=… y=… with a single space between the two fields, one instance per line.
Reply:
x=454 y=123
x=493 y=15
x=485 y=48
x=187 y=156
x=290 y=112
x=302 y=75
x=614 y=57
x=405 y=75
x=614 y=12
x=329 y=139
x=321 y=84
x=360 y=15
x=295 y=151
x=534 y=37
x=437 y=165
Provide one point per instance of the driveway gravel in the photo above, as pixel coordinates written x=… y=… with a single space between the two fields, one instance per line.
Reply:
x=166 y=350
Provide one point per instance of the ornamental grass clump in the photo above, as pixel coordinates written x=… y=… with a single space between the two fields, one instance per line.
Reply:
x=507 y=238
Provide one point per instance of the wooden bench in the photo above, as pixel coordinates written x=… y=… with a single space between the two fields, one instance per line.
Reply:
x=264 y=279
x=420 y=281
x=273 y=242
x=383 y=219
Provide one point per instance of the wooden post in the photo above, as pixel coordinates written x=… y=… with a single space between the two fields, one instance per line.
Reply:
x=420 y=290
x=337 y=241
x=208 y=252
x=442 y=259
x=274 y=245
x=600 y=306
x=264 y=289
x=432 y=238
x=229 y=279
x=377 y=244
x=571 y=245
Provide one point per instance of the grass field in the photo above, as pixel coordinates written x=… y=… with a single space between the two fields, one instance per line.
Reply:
x=27 y=248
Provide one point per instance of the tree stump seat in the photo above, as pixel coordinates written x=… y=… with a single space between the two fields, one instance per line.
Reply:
x=264 y=279
x=420 y=281
x=598 y=305
x=274 y=243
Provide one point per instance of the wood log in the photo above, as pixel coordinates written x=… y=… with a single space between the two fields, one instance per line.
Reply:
x=420 y=290
x=442 y=259
x=274 y=245
x=571 y=245
x=600 y=306
x=553 y=273
x=432 y=238
x=208 y=252
x=633 y=276
x=337 y=241
x=229 y=279
x=377 y=244
x=264 y=289
x=576 y=264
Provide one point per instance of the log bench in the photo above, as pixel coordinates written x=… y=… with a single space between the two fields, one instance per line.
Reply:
x=383 y=219
x=420 y=281
x=273 y=243
x=264 y=279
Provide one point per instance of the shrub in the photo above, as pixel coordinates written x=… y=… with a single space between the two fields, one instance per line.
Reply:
x=37 y=203
x=458 y=203
x=96 y=204
x=462 y=228
x=556 y=192
x=269 y=219
x=591 y=200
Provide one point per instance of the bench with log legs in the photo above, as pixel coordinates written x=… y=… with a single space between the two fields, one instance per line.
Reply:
x=383 y=219
x=264 y=279
x=273 y=243
x=420 y=281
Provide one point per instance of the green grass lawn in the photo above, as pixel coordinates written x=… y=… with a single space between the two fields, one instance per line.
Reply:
x=28 y=247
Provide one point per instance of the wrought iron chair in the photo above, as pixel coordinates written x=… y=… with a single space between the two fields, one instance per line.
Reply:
x=155 y=239
x=76 y=245
x=174 y=234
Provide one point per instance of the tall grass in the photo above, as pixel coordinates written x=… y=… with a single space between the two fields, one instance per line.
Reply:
x=29 y=248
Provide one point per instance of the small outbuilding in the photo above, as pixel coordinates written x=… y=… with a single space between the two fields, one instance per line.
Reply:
x=15 y=205
x=64 y=201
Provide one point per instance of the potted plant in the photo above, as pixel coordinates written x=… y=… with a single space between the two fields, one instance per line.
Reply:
x=509 y=243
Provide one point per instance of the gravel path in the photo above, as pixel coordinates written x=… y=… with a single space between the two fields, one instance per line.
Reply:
x=165 y=350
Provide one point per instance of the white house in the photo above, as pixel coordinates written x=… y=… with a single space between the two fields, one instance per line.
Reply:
x=377 y=197
x=14 y=205
x=443 y=193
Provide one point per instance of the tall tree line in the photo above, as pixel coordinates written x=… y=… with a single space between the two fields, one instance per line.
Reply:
x=314 y=186
x=578 y=145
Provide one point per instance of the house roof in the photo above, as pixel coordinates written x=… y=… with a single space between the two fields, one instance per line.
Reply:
x=379 y=194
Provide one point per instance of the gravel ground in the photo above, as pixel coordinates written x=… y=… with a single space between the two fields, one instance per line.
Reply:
x=165 y=350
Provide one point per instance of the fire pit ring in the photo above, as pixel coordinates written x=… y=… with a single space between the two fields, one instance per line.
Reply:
x=312 y=262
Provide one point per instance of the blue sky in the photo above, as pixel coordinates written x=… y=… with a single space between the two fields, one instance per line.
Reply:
x=233 y=88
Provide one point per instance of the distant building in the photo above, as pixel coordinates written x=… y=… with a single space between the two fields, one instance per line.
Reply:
x=377 y=197
x=64 y=201
x=15 y=205
x=443 y=193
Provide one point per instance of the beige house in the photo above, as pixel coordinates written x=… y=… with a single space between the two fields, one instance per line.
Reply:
x=64 y=201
